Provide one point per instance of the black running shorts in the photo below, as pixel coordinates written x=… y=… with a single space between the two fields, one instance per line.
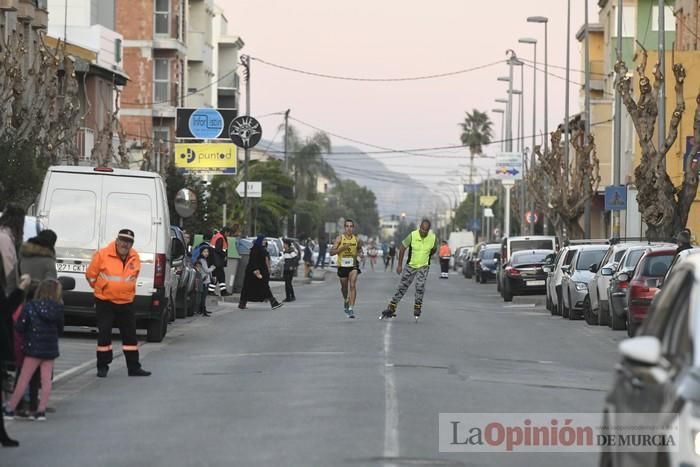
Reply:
x=345 y=272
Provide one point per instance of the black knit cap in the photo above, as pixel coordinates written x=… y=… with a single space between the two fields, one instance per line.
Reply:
x=127 y=235
x=45 y=238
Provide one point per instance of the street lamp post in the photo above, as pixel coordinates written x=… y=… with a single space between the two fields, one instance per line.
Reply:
x=529 y=40
x=502 y=112
x=544 y=20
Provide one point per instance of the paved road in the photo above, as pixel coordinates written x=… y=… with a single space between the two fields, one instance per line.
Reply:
x=304 y=386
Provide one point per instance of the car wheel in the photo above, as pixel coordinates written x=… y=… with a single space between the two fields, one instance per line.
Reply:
x=572 y=315
x=564 y=308
x=587 y=312
x=558 y=308
x=181 y=303
x=482 y=279
x=617 y=324
x=498 y=284
x=170 y=309
x=156 y=329
x=192 y=303
x=507 y=294
x=603 y=317
x=631 y=328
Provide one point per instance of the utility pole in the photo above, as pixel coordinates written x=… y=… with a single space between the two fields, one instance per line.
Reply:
x=587 y=131
x=566 y=99
x=617 y=146
x=286 y=162
x=245 y=61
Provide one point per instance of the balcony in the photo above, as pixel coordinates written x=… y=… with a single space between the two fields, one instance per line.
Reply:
x=25 y=11
x=41 y=19
x=9 y=5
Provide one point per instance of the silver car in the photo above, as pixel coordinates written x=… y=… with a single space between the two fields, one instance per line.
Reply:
x=554 y=275
x=574 y=282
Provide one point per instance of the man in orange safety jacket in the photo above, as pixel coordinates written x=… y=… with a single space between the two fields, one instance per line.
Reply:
x=444 y=253
x=112 y=273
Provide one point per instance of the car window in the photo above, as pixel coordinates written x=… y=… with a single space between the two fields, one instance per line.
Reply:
x=520 y=245
x=488 y=254
x=633 y=258
x=656 y=266
x=533 y=257
x=676 y=342
x=618 y=255
x=569 y=256
x=587 y=258
x=671 y=298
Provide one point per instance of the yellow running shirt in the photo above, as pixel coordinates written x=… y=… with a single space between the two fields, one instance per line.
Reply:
x=348 y=258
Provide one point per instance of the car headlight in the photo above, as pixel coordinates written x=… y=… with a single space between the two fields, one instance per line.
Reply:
x=581 y=286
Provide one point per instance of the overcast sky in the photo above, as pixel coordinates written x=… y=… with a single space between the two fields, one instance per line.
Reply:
x=398 y=39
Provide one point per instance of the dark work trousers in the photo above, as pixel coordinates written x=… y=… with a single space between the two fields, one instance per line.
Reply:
x=219 y=275
x=445 y=265
x=3 y=433
x=108 y=315
x=288 y=288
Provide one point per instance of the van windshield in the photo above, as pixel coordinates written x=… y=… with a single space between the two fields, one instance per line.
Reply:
x=72 y=217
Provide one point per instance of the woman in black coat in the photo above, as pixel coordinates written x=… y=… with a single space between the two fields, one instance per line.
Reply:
x=256 y=283
x=8 y=304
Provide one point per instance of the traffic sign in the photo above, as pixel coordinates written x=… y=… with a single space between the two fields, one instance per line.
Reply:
x=487 y=201
x=615 y=198
x=203 y=123
x=475 y=225
x=509 y=166
x=488 y=212
x=471 y=187
x=531 y=217
x=245 y=131
x=254 y=189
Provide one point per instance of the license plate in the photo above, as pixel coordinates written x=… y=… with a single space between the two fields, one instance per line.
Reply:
x=71 y=267
x=534 y=283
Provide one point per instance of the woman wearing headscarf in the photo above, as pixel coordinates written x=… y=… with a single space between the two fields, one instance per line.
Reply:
x=256 y=283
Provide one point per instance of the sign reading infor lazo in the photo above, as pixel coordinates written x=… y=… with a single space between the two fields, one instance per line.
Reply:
x=245 y=131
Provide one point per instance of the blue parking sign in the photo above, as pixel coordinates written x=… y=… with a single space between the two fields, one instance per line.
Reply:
x=615 y=198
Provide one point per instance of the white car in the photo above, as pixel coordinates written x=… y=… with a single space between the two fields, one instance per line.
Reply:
x=555 y=273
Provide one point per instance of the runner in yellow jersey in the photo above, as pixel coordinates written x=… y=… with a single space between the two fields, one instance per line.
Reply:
x=347 y=246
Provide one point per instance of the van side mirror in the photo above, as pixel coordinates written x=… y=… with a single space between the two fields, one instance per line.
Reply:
x=177 y=249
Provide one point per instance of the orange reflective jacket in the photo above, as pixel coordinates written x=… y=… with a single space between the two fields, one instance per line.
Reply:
x=444 y=251
x=114 y=280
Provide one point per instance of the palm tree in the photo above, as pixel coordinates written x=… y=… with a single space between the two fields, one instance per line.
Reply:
x=476 y=133
x=307 y=162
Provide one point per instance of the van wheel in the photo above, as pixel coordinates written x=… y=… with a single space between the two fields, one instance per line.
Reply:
x=156 y=329
x=181 y=304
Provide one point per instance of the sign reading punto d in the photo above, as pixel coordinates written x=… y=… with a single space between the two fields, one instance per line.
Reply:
x=215 y=158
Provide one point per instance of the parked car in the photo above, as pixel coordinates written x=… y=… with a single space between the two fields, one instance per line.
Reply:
x=599 y=284
x=644 y=283
x=574 y=282
x=677 y=260
x=486 y=263
x=465 y=257
x=101 y=201
x=510 y=245
x=619 y=283
x=523 y=274
x=184 y=296
x=658 y=374
x=553 y=299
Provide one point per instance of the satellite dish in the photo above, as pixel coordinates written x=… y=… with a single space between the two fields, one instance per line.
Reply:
x=185 y=203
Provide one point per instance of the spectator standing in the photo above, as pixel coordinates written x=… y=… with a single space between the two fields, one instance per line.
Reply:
x=308 y=258
x=322 y=249
x=11 y=233
x=291 y=260
x=39 y=325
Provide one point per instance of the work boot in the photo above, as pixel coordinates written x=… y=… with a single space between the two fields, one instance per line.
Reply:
x=275 y=304
x=139 y=372
x=102 y=371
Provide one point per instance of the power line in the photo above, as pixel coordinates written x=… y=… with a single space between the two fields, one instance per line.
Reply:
x=196 y=91
x=365 y=79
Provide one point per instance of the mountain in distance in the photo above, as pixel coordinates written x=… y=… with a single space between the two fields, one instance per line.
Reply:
x=396 y=192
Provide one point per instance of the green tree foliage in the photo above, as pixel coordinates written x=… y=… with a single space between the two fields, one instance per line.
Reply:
x=352 y=201
x=476 y=131
x=21 y=173
x=307 y=162
x=174 y=182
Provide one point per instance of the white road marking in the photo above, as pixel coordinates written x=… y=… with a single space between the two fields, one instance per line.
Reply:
x=522 y=305
x=391 y=403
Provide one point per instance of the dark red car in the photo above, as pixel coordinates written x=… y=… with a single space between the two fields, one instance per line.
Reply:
x=644 y=283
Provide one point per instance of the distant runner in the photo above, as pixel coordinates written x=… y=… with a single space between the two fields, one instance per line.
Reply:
x=347 y=246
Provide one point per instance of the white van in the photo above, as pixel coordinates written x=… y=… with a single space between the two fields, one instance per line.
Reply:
x=87 y=207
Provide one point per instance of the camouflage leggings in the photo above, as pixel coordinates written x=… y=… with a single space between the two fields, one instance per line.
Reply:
x=407 y=277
